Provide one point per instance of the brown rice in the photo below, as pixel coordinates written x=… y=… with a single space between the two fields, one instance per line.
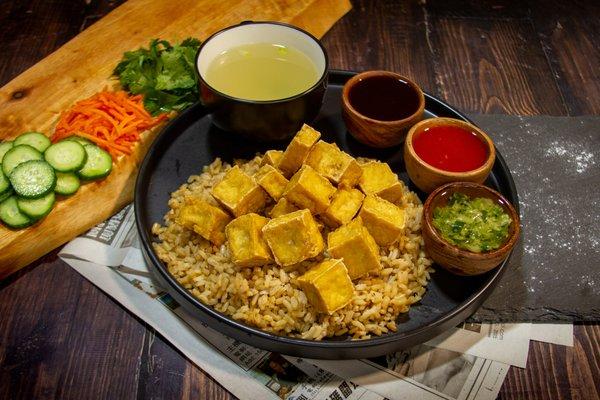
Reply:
x=268 y=298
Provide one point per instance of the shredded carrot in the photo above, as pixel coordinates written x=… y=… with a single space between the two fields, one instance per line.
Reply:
x=112 y=120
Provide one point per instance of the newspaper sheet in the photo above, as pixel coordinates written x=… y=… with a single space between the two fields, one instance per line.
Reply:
x=109 y=256
x=437 y=373
x=561 y=334
x=507 y=343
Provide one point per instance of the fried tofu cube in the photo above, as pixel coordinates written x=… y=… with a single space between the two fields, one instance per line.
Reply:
x=298 y=149
x=282 y=207
x=354 y=244
x=334 y=164
x=246 y=243
x=239 y=193
x=293 y=237
x=203 y=218
x=327 y=286
x=383 y=220
x=344 y=206
x=271 y=181
x=272 y=158
x=308 y=189
x=377 y=178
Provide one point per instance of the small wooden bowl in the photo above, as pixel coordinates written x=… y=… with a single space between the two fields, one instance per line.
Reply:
x=449 y=256
x=426 y=177
x=374 y=132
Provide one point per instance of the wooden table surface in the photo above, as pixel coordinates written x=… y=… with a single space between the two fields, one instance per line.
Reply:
x=61 y=337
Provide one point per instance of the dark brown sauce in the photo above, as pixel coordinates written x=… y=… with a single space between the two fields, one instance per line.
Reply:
x=384 y=98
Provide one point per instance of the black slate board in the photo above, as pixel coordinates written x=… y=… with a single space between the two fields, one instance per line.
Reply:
x=554 y=273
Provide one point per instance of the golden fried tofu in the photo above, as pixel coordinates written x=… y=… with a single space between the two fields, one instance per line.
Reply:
x=297 y=151
x=282 y=207
x=384 y=220
x=308 y=189
x=344 y=206
x=271 y=181
x=327 y=286
x=239 y=193
x=272 y=158
x=293 y=237
x=246 y=243
x=354 y=244
x=203 y=218
x=377 y=178
x=331 y=162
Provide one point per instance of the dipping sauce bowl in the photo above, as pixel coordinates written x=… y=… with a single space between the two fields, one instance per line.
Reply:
x=467 y=154
x=453 y=258
x=379 y=107
x=262 y=120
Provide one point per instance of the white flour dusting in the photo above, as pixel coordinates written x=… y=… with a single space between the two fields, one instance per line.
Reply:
x=558 y=231
x=573 y=154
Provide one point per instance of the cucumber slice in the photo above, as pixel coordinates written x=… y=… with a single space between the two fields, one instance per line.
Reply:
x=33 y=179
x=66 y=156
x=11 y=216
x=67 y=183
x=37 y=140
x=81 y=140
x=4 y=183
x=6 y=194
x=36 y=208
x=17 y=155
x=98 y=164
x=4 y=147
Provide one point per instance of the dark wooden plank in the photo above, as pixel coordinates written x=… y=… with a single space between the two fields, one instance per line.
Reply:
x=160 y=370
x=165 y=373
x=558 y=372
x=35 y=28
x=484 y=9
x=584 y=370
x=61 y=337
x=198 y=385
x=383 y=35
x=492 y=66
x=570 y=34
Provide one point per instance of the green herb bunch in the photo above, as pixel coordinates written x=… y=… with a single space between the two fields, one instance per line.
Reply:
x=164 y=74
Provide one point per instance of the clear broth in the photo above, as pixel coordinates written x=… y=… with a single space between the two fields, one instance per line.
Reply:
x=262 y=71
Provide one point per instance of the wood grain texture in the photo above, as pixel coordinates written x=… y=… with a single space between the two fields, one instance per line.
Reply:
x=557 y=372
x=384 y=35
x=34 y=99
x=39 y=335
x=37 y=362
x=573 y=51
x=487 y=65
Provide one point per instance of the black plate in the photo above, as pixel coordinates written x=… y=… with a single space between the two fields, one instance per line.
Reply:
x=190 y=141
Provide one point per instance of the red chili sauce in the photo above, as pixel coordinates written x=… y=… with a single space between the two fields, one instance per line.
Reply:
x=450 y=148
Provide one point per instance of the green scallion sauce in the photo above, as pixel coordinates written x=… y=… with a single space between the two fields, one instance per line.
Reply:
x=477 y=225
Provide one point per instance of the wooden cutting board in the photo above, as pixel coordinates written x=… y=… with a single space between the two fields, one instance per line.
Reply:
x=82 y=67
